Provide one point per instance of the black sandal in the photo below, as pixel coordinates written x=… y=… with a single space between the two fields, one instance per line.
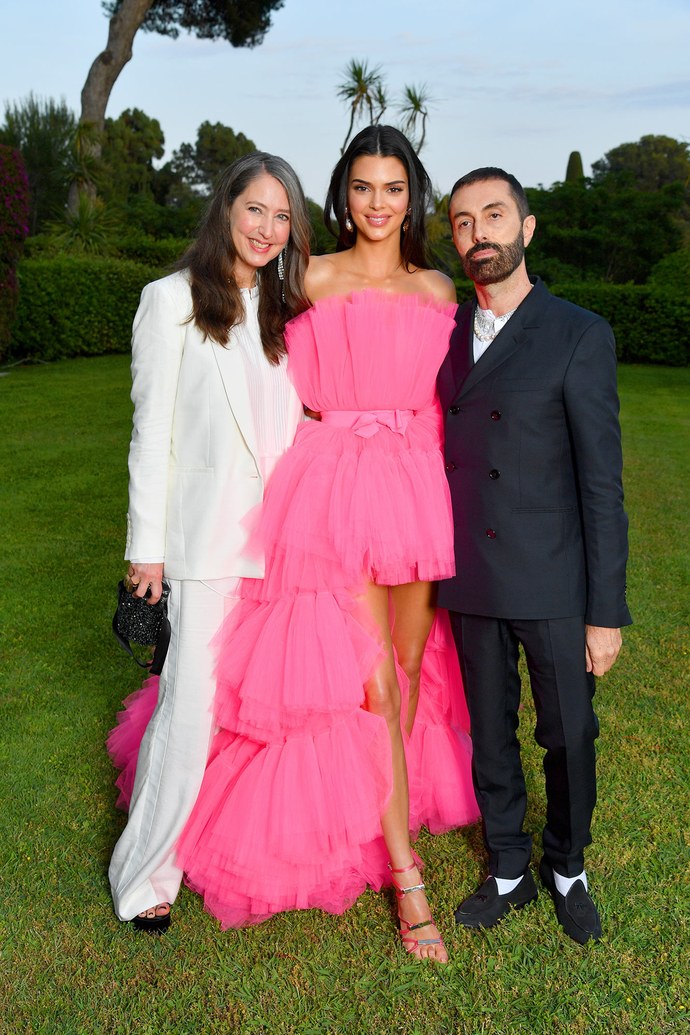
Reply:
x=153 y=924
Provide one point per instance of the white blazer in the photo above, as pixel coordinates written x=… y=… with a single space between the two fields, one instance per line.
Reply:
x=193 y=466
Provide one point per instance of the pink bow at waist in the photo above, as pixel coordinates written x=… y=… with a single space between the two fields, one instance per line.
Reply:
x=367 y=422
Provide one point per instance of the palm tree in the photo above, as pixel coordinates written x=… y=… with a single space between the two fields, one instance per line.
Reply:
x=381 y=100
x=85 y=165
x=415 y=105
x=362 y=88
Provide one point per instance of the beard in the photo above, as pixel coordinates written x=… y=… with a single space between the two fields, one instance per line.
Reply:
x=499 y=266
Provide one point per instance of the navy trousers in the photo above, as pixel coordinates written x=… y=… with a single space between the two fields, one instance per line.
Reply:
x=566 y=729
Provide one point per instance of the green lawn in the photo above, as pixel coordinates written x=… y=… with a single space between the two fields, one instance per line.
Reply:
x=67 y=965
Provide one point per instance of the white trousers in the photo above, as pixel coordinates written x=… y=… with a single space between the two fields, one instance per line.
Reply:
x=173 y=752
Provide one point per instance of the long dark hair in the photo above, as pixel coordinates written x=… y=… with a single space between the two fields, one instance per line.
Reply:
x=217 y=301
x=387 y=142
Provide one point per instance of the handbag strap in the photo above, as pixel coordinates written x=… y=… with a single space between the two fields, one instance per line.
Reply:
x=154 y=666
x=161 y=649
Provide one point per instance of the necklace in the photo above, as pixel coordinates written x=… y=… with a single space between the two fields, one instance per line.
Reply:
x=487 y=326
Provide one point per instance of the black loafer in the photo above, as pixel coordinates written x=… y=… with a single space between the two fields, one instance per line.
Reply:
x=152 y=924
x=576 y=912
x=486 y=907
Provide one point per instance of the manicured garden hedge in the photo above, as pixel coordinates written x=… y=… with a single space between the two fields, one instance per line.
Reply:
x=76 y=306
x=161 y=252
x=650 y=324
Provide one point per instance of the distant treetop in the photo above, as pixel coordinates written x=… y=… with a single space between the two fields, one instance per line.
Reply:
x=243 y=23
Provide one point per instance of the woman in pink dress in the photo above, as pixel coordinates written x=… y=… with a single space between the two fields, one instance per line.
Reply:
x=306 y=799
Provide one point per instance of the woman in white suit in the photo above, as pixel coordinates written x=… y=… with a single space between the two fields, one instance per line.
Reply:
x=213 y=411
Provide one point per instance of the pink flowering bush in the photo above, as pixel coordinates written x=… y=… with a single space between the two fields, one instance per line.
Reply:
x=14 y=228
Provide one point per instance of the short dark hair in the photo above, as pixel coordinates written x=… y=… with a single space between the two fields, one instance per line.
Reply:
x=492 y=172
x=387 y=142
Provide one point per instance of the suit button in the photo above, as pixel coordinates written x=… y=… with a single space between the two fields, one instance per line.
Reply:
x=450 y=466
x=494 y=474
x=454 y=410
x=496 y=414
x=490 y=534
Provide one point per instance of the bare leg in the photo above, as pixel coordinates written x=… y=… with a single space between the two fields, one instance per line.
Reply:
x=383 y=698
x=414 y=611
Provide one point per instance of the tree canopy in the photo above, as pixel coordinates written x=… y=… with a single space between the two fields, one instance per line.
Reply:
x=43 y=131
x=603 y=230
x=650 y=164
x=216 y=147
x=130 y=144
x=242 y=24
x=363 y=88
x=574 y=171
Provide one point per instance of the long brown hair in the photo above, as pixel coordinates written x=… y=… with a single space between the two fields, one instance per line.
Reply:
x=217 y=300
x=383 y=141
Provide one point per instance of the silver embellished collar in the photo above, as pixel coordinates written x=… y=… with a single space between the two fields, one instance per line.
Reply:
x=486 y=325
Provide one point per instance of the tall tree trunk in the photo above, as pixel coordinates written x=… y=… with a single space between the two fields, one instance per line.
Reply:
x=353 y=112
x=423 y=137
x=104 y=71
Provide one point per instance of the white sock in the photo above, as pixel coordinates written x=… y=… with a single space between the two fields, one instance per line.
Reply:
x=506 y=885
x=564 y=884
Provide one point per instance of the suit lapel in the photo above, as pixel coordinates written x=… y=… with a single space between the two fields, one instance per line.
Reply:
x=506 y=342
x=232 y=374
x=462 y=358
x=458 y=359
x=509 y=339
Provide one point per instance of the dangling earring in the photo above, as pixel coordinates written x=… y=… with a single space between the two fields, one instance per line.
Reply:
x=281 y=273
x=406 y=221
x=349 y=225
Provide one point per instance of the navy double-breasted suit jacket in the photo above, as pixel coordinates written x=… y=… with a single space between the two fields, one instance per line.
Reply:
x=533 y=456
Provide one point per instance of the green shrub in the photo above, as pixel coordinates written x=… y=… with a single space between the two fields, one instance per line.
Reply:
x=134 y=244
x=651 y=325
x=464 y=289
x=79 y=305
x=672 y=273
x=76 y=306
x=14 y=227
x=162 y=252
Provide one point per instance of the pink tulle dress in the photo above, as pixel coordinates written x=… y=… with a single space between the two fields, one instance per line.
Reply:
x=289 y=812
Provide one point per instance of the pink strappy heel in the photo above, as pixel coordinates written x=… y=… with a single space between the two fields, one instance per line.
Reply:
x=409 y=940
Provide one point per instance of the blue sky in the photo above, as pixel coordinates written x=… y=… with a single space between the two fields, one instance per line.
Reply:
x=519 y=85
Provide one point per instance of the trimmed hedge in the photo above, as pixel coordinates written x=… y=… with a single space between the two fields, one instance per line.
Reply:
x=650 y=325
x=76 y=306
x=79 y=305
x=162 y=253
x=672 y=273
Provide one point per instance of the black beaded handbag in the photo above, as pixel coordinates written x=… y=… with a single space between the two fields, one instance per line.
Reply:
x=143 y=623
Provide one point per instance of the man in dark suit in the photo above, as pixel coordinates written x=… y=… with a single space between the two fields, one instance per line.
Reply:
x=533 y=457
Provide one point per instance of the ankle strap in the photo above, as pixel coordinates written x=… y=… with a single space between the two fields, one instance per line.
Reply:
x=405 y=869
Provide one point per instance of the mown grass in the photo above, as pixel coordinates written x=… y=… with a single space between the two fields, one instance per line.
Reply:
x=69 y=967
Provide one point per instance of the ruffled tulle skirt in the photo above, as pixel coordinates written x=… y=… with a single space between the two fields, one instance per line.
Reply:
x=296 y=823
x=289 y=812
